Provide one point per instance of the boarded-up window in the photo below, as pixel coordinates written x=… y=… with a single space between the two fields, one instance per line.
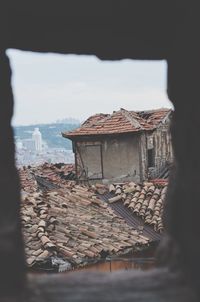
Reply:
x=92 y=161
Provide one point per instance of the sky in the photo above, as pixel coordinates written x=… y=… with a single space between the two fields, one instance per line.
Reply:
x=48 y=87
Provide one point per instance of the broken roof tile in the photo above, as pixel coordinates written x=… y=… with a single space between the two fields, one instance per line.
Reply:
x=84 y=228
x=122 y=121
x=145 y=201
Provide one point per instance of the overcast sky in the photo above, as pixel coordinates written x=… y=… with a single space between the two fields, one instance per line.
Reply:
x=48 y=87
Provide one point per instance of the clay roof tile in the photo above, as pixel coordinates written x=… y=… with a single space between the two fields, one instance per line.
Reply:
x=122 y=121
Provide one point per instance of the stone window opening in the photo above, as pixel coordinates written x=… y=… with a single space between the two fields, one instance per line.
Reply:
x=148 y=30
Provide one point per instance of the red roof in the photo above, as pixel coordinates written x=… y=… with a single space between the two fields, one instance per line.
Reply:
x=122 y=121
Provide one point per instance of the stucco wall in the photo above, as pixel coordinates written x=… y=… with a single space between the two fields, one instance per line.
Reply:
x=88 y=159
x=121 y=158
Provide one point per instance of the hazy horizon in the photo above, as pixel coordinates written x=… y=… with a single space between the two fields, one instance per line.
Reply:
x=47 y=123
x=49 y=87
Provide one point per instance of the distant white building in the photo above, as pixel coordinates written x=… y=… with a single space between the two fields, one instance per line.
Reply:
x=37 y=138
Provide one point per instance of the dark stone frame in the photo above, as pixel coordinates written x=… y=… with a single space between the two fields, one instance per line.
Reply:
x=136 y=29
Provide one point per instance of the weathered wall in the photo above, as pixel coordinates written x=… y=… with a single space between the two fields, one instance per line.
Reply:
x=143 y=157
x=125 y=157
x=162 y=146
x=117 y=159
x=121 y=158
x=88 y=159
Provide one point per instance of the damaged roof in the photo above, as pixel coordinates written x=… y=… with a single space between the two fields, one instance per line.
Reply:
x=46 y=176
x=146 y=200
x=122 y=121
x=70 y=223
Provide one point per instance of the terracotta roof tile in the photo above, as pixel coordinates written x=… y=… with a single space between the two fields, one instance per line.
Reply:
x=121 y=121
x=144 y=200
x=70 y=224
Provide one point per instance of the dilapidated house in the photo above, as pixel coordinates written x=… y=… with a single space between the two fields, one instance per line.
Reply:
x=122 y=146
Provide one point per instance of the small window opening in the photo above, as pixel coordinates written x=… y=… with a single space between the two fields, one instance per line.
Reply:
x=151 y=159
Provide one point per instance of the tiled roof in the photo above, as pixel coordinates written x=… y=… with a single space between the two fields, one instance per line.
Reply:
x=94 y=119
x=144 y=200
x=58 y=174
x=27 y=181
x=71 y=224
x=121 y=121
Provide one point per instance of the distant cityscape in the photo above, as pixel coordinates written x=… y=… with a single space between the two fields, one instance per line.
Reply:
x=37 y=144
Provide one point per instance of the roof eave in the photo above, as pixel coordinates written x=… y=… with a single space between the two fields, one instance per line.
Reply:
x=78 y=136
x=65 y=135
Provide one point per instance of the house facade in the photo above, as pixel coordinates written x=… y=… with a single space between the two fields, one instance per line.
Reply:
x=122 y=146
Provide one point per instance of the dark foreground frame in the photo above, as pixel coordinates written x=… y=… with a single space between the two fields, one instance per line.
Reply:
x=135 y=29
